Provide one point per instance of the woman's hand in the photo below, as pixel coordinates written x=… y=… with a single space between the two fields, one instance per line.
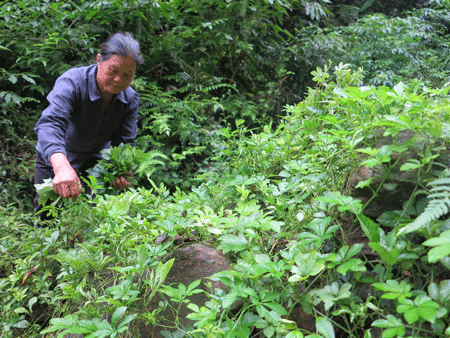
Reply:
x=66 y=182
x=120 y=183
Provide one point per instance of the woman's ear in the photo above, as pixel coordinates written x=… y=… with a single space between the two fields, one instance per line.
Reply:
x=98 y=58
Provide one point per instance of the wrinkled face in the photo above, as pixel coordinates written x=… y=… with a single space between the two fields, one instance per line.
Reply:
x=115 y=74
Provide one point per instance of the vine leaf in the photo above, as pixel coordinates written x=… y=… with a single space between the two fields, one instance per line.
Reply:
x=324 y=327
x=45 y=192
x=441 y=247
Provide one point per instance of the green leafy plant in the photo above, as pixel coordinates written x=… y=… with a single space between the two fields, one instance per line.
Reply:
x=125 y=161
x=122 y=161
x=394 y=326
x=441 y=247
x=95 y=327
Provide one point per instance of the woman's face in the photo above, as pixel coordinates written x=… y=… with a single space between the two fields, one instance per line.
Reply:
x=115 y=74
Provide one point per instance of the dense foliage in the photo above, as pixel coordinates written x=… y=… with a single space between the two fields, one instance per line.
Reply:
x=253 y=116
x=276 y=208
x=207 y=64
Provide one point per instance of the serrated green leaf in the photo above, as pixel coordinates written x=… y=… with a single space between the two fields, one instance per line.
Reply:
x=22 y=324
x=388 y=255
x=269 y=331
x=294 y=334
x=229 y=299
x=410 y=166
x=389 y=219
x=12 y=78
x=411 y=315
x=61 y=323
x=352 y=265
x=21 y=310
x=163 y=270
x=193 y=285
x=31 y=302
x=117 y=315
x=124 y=323
x=29 y=79
x=370 y=228
x=324 y=327
x=440 y=293
x=233 y=243
x=84 y=326
x=442 y=247
x=262 y=259
x=278 y=308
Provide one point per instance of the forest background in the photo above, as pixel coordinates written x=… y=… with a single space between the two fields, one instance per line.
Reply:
x=246 y=111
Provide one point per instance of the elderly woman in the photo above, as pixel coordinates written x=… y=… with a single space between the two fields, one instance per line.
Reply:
x=90 y=108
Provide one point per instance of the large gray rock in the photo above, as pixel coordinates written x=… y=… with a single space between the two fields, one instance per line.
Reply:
x=399 y=185
x=193 y=262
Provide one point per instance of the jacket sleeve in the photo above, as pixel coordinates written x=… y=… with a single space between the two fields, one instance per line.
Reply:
x=128 y=127
x=52 y=125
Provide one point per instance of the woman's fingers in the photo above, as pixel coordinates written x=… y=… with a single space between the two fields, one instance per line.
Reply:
x=75 y=190
x=65 y=190
x=120 y=183
x=67 y=184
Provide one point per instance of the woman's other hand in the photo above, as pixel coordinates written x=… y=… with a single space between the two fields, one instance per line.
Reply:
x=120 y=183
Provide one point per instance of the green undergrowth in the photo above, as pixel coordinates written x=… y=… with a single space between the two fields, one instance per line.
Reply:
x=273 y=201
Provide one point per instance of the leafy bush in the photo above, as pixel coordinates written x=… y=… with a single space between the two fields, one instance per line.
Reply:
x=272 y=203
x=269 y=197
x=392 y=49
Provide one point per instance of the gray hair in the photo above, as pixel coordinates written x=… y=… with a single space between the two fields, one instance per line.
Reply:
x=122 y=44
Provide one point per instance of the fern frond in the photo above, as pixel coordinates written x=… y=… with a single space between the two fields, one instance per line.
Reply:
x=147 y=104
x=438 y=205
x=219 y=85
x=440 y=181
